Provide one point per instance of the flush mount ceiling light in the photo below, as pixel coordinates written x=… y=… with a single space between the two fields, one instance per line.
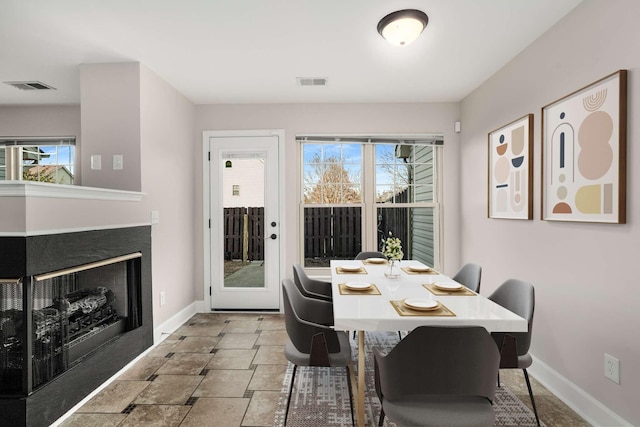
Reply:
x=403 y=27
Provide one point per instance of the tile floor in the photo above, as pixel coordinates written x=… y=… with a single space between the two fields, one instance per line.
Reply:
x=227 y=370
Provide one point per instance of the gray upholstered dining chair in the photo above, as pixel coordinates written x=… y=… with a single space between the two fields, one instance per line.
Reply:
x=519 y=297
x=311 y=342
x=309 y=287
x=469 y=275
x=369 y=254
x=428 y=379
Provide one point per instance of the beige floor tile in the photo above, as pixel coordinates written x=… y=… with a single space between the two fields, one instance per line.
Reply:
x=244 y=316
x=270 y=355
x=143 y=368
x=237 y=341
x=262 y=408
x=221 y=393
x=185 y=364
x=156 y=416
x=169 y=390
x=162 y=349
x=227 y=412
x=196 y=345
x=268 y=377
x=208 y=318
x=115 y=397
x=241 y=327
x=232 y=359
x=93 y=420
x=224 y=383
x=272 y=338
x=272 y=323
x=200 y=330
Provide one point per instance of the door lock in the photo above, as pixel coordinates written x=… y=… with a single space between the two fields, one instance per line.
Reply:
x=273 y=223
x=272 y=237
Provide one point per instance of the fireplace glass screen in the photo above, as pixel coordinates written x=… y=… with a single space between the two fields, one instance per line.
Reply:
x=73 y=312
x=11 y=331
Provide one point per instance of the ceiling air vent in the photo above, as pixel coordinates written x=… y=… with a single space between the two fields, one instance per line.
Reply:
x=30 y=85
x=311 y=81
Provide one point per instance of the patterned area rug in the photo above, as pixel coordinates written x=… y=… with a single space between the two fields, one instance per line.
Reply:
x=320 y=396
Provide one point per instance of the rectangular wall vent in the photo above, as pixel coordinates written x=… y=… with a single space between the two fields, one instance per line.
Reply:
x=311 y=81
x=34 y=85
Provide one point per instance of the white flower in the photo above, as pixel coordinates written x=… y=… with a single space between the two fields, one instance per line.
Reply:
x=392 y=247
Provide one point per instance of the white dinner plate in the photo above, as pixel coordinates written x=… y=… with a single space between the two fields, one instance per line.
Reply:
x=448 y=286
x=350 y=267
x=421 y=304
x=419 y=268
x=358 y=286
x=376 y=260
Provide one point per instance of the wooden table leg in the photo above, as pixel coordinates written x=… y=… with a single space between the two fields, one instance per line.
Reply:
x=360 y=396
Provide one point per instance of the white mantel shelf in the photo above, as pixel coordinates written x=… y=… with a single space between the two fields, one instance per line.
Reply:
x=61 y=191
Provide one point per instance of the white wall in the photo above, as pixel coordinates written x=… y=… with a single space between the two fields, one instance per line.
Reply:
x=167 y=121
x=585 y=274
x=110 y=105
x=298 y=119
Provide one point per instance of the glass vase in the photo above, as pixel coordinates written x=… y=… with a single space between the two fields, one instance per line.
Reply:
x=393 y=271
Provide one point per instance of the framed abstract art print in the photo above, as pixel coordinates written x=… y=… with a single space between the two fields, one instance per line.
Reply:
x=584 y=153
x=510 y=170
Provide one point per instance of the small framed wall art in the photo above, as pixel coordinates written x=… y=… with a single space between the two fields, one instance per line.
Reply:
x=511 y=170
x=584 y=153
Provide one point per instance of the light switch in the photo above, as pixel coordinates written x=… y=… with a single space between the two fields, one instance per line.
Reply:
x=96 y=162
x=117 y=162
x=155 y=217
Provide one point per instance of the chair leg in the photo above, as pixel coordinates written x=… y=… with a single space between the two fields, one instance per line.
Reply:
x=533 y=402
x=353 y=422
x=498 y=378
x=293 y=378
x=400 y=335
x=381 y=420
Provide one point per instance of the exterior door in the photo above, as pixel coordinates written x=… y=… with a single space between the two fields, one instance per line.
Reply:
x=245 y=221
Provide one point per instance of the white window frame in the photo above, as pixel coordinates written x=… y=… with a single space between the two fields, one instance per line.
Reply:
x=368 y=204
x=13 y=146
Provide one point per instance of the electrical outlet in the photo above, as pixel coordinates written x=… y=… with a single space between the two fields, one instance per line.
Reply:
x=612 y=368
x=162 y=298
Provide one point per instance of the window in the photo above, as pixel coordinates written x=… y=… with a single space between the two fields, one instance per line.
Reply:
x=38 y=159
x=357 y=190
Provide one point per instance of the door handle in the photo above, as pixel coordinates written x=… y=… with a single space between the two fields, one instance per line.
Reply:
x=272 y=237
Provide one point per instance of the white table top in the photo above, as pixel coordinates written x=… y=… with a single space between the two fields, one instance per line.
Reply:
x=375 y=312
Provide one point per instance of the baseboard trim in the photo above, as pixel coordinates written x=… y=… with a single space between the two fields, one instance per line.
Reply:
x=585 y=405
x=169 y=326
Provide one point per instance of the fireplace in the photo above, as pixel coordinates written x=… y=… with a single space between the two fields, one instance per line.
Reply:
x=74 y=309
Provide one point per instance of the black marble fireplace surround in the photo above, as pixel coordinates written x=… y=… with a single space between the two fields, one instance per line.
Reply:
x=24 y=258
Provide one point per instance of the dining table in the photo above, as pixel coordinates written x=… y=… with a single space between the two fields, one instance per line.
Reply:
x=366 y=297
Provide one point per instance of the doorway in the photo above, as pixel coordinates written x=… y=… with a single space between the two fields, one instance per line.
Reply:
x=244 y=236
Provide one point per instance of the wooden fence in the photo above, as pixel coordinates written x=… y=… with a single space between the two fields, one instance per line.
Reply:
x=244 y=233
x=329 y=233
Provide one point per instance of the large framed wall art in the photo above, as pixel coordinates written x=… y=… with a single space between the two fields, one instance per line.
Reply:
x=510 y=170
x=584 y=153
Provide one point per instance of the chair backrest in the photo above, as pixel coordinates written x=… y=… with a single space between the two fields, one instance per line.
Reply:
x=518 y=297
x=299 y=312
x=369 y=254
x=470 y=275
x=311 y=287
x=437 y=360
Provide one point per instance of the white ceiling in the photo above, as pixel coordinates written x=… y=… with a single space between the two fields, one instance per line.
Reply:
x=251 y=51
